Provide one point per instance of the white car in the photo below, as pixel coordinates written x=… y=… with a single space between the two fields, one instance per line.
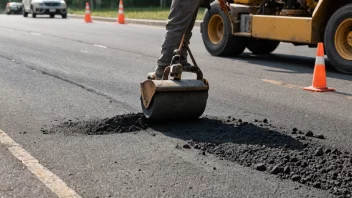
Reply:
x=44 y=7
x=13 y=8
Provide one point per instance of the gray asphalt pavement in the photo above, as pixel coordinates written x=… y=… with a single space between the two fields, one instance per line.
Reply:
x=56 y=69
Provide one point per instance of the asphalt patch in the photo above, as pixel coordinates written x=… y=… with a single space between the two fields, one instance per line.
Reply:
x=292 y=154
x=276 y=151
x=118 y=124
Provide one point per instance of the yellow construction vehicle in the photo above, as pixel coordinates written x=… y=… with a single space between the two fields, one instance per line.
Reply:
x=231 y=26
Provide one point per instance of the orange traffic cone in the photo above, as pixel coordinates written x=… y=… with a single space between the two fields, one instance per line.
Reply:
x=121 y=16
x=319 y=76
x=87 y=17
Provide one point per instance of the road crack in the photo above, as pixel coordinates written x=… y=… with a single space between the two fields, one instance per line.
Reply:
x=84 y=87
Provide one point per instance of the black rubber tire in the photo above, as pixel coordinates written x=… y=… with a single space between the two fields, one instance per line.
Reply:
x=34 y=15
x=52 y=15
x=229 y=45
x=338 y=62
x=64 y=16
x=262 y=46
x=25 y=14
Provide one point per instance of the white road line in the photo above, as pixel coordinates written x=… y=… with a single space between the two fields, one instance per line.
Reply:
x=297 y=87
x=53 y=182
x=83 y=51
x=101 y=46
x=281 y=83
x=35 y=33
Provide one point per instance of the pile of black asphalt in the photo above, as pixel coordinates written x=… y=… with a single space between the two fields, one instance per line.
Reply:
x=300 y=156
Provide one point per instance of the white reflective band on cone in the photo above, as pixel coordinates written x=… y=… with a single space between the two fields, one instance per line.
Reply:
x=320 y=60
x=121 y=6
x=120 y=11
x=87 y=12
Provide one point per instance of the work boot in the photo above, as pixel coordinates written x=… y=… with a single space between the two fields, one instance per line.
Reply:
x=157 y=74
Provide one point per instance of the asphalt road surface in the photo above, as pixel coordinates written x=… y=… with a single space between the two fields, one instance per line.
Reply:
x=55 y=70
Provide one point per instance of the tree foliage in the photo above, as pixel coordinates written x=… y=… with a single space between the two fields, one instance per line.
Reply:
x=112 y=3
x=106 y=3
x=115 y=3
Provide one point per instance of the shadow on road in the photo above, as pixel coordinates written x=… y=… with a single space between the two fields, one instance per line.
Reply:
x=292 y=63
x=215 y=131
x=259 y=145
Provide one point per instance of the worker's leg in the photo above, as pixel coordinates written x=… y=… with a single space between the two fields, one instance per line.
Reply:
x=181 y=15
x=188 y=36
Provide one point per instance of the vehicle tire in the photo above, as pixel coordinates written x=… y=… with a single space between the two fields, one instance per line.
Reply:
x=8 y=11
x=64 y=16
x=217 y=36
x=52 y=15
x=34 y=15
x=338 y=39
x=262 y=46
x=25 y=14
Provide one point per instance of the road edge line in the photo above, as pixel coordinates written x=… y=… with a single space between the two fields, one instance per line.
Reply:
x=53 y=182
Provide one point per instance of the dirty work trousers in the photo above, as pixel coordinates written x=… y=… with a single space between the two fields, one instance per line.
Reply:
x=183 y=14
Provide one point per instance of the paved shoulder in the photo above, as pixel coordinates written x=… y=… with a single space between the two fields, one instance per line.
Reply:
x=17 y=180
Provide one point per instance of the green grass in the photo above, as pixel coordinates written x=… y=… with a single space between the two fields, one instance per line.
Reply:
x=133 y=13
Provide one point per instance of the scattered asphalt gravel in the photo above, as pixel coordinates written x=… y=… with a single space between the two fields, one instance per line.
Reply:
x=292 y=154
x=118 y=124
